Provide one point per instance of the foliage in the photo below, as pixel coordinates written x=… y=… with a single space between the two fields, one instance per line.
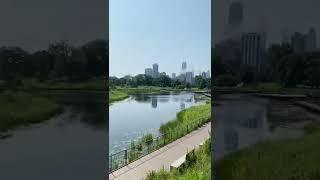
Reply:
x=162 y=81
x=132 y=155
x=226 y=80
x=199 y=166
x=18 y=108
x=61 y=61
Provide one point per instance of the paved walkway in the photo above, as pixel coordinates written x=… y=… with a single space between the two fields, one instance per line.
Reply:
x=163 y=157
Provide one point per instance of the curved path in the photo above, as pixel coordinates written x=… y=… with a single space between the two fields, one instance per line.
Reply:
x=163 y=157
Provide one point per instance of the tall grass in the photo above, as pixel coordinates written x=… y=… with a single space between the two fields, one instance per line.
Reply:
x=19 y=108
x=117 y=95
x=196 y=167
x=291 y=159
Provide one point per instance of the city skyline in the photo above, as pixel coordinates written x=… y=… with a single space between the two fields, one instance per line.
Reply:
x=180 y=34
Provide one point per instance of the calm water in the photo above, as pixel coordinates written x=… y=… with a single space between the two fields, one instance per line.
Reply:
x=71 y=145
x=242 y=120
x=140 y=114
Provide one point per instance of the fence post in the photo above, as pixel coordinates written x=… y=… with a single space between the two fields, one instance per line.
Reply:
x=125 y=156
x=111 y=162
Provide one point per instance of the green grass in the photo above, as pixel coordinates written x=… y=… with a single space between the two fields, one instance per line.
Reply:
x=196 y=168
x=117 y=95
x=192 y=115
x=290 y=159
x=19 y=108
x=94 y=84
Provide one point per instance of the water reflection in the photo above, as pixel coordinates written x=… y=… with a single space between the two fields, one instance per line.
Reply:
x=143 y=113
x=154 y=102
x=76 y=138
x=240 y=121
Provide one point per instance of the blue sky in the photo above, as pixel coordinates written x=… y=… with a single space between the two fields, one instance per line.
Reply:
x=167 y=32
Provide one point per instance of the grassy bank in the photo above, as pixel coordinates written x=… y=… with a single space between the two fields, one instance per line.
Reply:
x=19 y=108
x=117 y=95
x=192 y=115
x=196 y=167
x=294 y=159
x=92 y=84
x=187 y=120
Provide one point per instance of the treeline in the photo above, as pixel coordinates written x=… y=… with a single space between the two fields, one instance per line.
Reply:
x=283 y=66
x=162 y=81
x=60 y=61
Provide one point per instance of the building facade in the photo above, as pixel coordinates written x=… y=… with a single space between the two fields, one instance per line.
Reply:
x=252 y=50
x=148 y=72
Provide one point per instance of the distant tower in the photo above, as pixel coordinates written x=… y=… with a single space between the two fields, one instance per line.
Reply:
x=311 y=40
x=184 y=66
x=235 y=20
x=155 y=70
x=235 y=17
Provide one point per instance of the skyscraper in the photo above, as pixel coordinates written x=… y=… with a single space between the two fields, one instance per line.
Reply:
x=173 y=75
x=235 y=17
x=189 y=77
x=235 y=20
x=148 y=72
x=252 y=49
x=155 y=70
x=184 y=66
x=298 y=42
x=311 y=40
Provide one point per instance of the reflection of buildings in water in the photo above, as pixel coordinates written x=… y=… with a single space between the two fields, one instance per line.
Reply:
x=154 y=102
x=231 y=139
x=182 y=105
x=164 y=99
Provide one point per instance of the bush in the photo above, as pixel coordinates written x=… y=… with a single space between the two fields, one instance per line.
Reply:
x=226 y=80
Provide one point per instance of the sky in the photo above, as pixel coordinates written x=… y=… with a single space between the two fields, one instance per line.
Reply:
x=273 y=16
x=33 y=24
x=167 y=32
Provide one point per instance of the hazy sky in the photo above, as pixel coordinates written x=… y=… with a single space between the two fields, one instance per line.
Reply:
x=33 y=24
x=143 y=32
x=274 y=16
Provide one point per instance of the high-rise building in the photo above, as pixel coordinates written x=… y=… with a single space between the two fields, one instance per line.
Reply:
x=173 y=75
x=311 y=40
x=298 y=42
x=252 y=50
x=208 y=74
x=155 y=70
x=204 y=74
x=235 y=17
x=184 y=66
x=189 y=77
x=148 y=72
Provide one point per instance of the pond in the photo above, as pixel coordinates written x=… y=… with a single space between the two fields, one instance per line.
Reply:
x=144 y=113
x=241 y=120
x=70 y=145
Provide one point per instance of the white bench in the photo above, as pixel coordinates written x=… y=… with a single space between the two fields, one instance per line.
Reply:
x=178 y=162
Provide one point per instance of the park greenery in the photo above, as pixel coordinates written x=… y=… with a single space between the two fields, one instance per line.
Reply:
x=20 y=108
x=162 y=81
x=187 y=120
x=196 y=167
x=296 y=159
x=284 y=66
x=60 y=65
